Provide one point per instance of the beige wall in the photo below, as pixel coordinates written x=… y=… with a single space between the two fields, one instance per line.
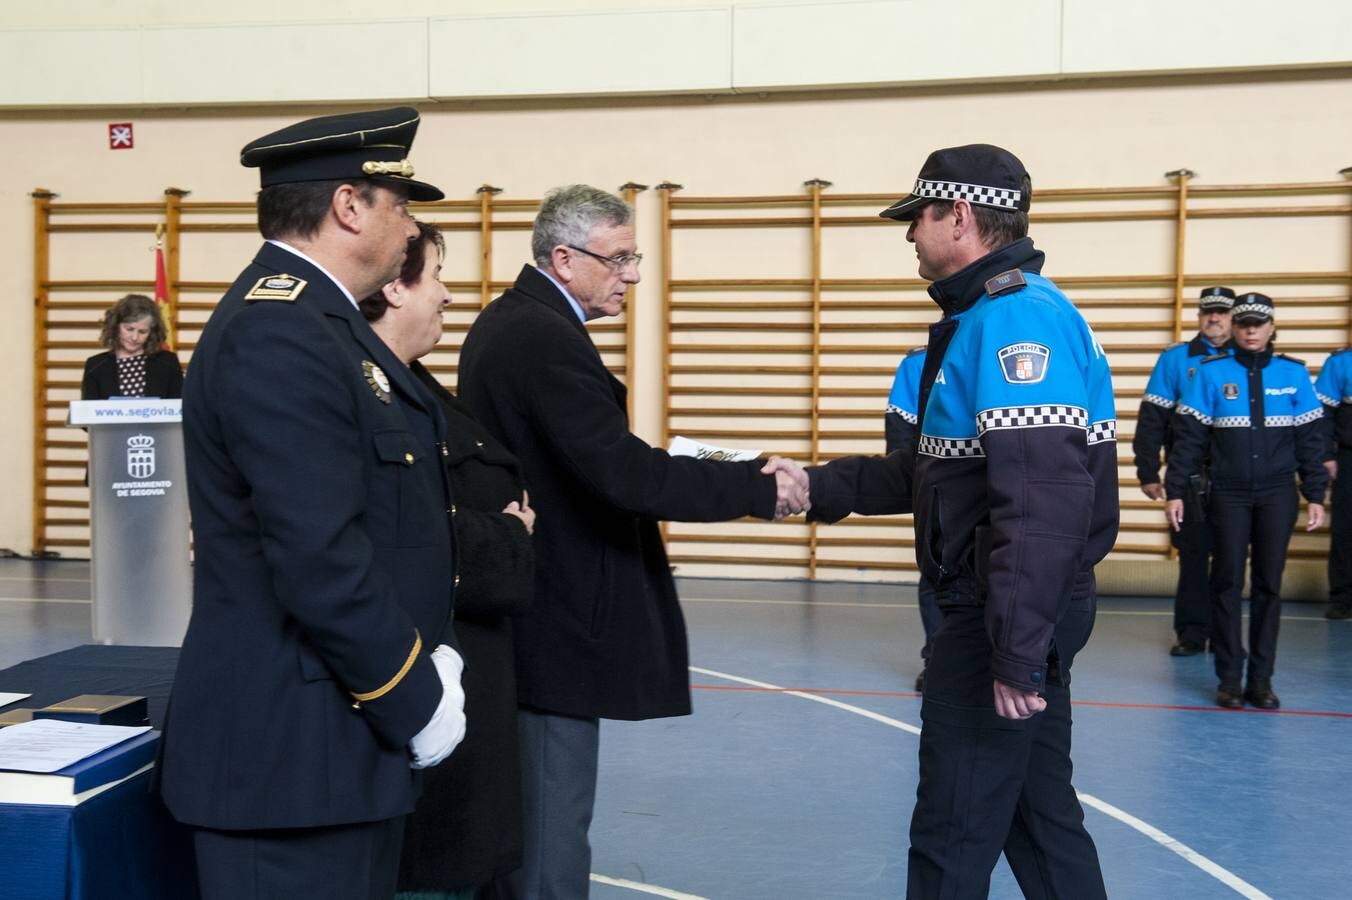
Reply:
x=1228 y=129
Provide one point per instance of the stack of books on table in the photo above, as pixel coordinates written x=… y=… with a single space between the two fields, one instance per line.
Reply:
x=54 y=762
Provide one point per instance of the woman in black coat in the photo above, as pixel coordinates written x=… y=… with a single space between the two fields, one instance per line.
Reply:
x=135 y=363
x=466 y=831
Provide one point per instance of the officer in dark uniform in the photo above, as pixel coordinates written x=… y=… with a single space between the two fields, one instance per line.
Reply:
x=1255 y=416
x=306 y=695
x=901 y=431
x=1015 y=500
x=1334 y=389
x=1175 y=368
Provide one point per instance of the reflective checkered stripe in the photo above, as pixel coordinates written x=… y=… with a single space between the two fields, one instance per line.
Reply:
x=949 y=448
x=1278 y=421
x=1103 y=432
x=1159 y=401
x=1260 y=308
x=1236 y=422
x=1032 y=417
x=908 y=416
x=1326 y=399
x=973 y=193
x=1186 y=410
x=1306 y=418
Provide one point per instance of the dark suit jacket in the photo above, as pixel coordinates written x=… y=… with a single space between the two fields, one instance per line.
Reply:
x=164 y=376
x=466 y=830
x=323 y=566
x=606 y=637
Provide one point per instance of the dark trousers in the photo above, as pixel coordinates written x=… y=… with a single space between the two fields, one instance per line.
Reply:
x=558 y=780
x=341 y=862
x=1340 y=541
x=989 y=784
x=931 y=617
x=1192 y=599
x=1246 y=522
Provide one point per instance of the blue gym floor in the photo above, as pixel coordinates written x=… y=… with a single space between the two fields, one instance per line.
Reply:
x=796 y=775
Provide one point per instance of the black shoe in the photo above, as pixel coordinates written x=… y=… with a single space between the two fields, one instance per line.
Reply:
x=1261 y=695
x=1338 y=611
x=920 y=682
x=1187 y=648
x=1228 y=695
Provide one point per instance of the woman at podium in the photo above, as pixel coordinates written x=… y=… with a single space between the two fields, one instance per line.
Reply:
x=466 y=830
x=135 y=363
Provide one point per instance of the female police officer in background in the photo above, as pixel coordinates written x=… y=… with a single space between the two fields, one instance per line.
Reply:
x=1257 y=413
x=466 y=830
x=135 y=363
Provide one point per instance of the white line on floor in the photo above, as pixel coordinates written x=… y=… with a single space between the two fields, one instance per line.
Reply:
x=863 y=605
x=1221 y=874
x=645 y=888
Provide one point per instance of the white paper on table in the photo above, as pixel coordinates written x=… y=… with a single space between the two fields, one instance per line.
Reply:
x=684 y=446
x=7 y=699
x=49 y=745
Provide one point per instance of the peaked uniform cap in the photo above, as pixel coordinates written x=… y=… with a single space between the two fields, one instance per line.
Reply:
x=1253 y=308
x=370 y=145
x=982 y=174
x=1216 y=298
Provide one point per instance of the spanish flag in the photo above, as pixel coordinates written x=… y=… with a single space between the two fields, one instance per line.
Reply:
x=162 y=291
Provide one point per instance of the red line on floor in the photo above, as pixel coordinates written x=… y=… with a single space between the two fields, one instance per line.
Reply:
x=1099 y=703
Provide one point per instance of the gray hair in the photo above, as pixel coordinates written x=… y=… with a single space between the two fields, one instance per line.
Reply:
x=568 y=215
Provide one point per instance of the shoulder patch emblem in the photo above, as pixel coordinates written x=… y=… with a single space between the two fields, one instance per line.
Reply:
x=377 y=379
x=1231 y=391
x=1005 y=282
x=285 y=288
x=1024 y=363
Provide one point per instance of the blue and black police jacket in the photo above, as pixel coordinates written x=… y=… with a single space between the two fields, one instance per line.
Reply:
x=1173 y=371
x=902 y=419
x=1014 y=485
x=1334 y=389
x=1257 y=418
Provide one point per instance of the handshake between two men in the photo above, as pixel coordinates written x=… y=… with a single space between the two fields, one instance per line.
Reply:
x=791 y=482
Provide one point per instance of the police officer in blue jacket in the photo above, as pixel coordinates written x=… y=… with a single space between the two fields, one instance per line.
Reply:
x=901 y=431
x=307 y=691
x=1334 y=389
x=1175 y=368
x=1255 y=416
x=1015 y=498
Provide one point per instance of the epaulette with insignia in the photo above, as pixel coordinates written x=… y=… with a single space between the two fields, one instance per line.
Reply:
x=1176 y=344
x=1340 y=350
x=914 y=350
x=1215 y=357
x=1299 y=362
x=1011 y=280
x=285 y=288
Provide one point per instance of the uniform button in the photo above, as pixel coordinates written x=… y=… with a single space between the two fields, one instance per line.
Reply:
x=1036 y=677
x=478 y=443
x=452 y=509
x=408 y=458
x=457 y=581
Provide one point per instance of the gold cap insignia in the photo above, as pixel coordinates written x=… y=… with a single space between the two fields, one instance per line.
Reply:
x=285 y=288
x=403 y=168
x=377 y=379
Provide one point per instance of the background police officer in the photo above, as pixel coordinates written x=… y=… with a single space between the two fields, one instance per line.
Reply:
x=1256 y=417
x=1015 y=498
x=902 y=432
x=1175 y=368
x=1334 y=389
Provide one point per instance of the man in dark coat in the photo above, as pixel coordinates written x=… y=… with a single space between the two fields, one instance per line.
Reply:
x=605 y=639
x=305 y=694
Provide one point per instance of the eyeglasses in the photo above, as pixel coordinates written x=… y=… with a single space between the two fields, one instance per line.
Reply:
x=614 y=263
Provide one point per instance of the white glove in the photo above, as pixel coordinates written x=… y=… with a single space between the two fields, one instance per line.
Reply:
x=447 y=728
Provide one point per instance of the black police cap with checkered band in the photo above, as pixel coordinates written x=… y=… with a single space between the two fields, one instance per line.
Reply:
x=373 y=145
x=1256 y=308
x=1216 y=298
x=978 y=173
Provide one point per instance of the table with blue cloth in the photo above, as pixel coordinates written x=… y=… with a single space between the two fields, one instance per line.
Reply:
x=121 y=844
